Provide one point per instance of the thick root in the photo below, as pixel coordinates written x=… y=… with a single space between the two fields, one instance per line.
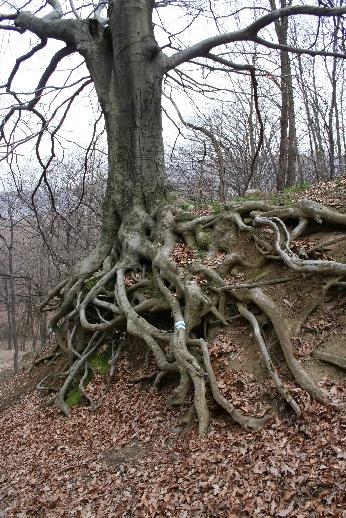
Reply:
x=333 y=359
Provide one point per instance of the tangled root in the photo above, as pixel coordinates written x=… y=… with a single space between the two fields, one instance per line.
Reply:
x=119 y=288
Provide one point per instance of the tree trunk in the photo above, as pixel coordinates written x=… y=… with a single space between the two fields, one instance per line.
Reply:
x=127 y=71
x=331 y=139
x=288 y=142
x=12 y=291
x=8 y=311
x=283 y=152
x=292 y=152
x=43 y=330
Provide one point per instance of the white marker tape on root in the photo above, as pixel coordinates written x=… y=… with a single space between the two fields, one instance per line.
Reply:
x=180 y=324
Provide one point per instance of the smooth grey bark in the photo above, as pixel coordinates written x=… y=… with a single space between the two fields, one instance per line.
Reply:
x=127 y=67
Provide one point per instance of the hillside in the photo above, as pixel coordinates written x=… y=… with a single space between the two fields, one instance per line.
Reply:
x=131 y=453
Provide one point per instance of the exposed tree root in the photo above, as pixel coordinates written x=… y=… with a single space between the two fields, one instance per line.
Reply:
x=282 y=329
x=266 y=358
x=333 y=359
x=122 y=288
x=238 y=417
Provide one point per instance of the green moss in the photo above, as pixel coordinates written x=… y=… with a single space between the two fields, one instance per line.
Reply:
x=217 y=207
x=99 y=364
x=286 y=196
x=201 y=254
x=184 y=216
x=186 y=206
x=248 y=197
x=204 y=239
x=74 y=397
x=90 y=283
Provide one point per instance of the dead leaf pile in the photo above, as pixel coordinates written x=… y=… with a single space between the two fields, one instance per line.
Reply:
x=332 y=193
x=182 y=255
x=131 y=458
x=198 y=212
x=216 y=261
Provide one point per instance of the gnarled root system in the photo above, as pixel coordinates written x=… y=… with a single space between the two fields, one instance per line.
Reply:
x=121 y=287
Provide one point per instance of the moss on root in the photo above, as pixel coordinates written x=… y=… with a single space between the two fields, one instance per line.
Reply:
x=74 y=397
x=100 y=363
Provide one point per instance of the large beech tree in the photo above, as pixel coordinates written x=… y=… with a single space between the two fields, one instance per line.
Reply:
x=132 y=274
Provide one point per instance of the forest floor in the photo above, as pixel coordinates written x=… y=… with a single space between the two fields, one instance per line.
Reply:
x=6 y=363
x=131 y=457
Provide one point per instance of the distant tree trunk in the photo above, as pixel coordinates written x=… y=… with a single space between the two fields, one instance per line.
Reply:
x=252 y=143
x=28 y=324
x=288 y=152
x=292 y=151
x=331 y=139
x=333 y=129
x=8 y=312
x=12 y=292
x=283 y=150
x=43 y=329
x=319 y=118
x=343 y=125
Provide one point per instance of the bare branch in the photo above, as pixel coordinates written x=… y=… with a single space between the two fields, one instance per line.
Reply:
x=249 y=33
x=39 y=89
x=57 y=12
x=64 y=30
x=11 y=28
x=20 y=60
x=74 y=10
x=296 y=50
x=12 y=16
